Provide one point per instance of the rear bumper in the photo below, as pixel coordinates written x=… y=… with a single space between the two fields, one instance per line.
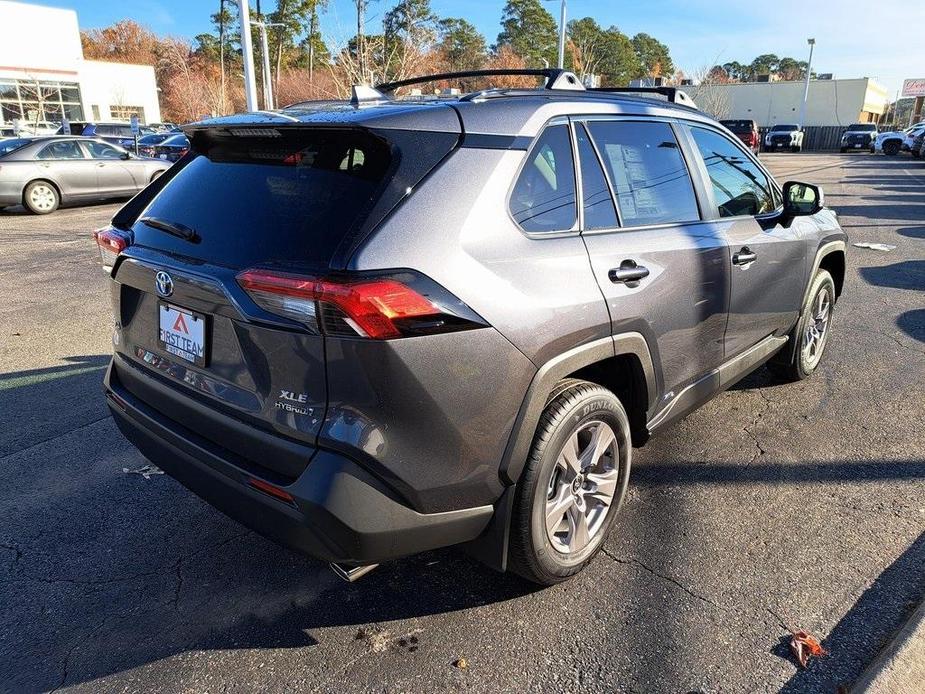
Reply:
x=339 y=511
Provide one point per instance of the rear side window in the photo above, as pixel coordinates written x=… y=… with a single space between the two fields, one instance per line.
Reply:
x=599 y=212
x=543 y=198
x=648 y=173
x=739 y=186
x=67 y=149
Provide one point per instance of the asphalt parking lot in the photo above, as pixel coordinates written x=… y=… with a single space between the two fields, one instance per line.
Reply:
x=774 y=507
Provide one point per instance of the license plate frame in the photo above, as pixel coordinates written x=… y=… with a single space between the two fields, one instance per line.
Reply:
x=197 y=327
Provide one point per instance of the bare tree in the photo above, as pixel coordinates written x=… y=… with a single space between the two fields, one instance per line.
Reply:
x=34 y=91
x=710 y=93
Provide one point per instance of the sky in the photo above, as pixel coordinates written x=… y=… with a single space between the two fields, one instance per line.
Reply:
x=854 y=38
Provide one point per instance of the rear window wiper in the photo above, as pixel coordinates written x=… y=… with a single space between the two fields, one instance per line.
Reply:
x=172 y=228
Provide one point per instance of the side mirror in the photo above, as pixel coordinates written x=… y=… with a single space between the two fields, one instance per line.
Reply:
x=126 y=155
x=802 y=199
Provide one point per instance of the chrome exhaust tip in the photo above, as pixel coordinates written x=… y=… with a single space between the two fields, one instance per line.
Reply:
x=351 y=574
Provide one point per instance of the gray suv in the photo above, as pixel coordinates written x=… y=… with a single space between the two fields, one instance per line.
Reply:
x=375 y=327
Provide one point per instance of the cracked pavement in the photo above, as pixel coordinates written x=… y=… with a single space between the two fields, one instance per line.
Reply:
x=773 y=507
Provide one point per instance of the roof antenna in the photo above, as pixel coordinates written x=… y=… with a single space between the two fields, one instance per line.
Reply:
x=363 y=94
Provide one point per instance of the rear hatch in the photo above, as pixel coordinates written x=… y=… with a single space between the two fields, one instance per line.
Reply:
x=242 y=368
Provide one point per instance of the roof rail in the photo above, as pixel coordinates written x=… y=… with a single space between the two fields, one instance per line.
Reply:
x=673 y=94
x=555 y=78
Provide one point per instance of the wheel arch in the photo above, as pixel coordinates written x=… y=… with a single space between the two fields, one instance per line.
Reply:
x=621 y=363
x=831 y=256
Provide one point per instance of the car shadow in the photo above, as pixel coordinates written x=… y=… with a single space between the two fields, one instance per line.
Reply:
x=912 y=232
x=34 y=403
x=906 y=274
x=105 y=571
x=897 y=591
x=913 y=323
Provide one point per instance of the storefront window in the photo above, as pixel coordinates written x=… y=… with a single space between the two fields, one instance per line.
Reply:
x=33 y=100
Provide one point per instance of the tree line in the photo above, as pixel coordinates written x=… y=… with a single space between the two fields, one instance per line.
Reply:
x=386 y=42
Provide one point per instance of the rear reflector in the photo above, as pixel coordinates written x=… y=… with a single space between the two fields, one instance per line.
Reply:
x=375 y=308
x=271 y=489
x=111 y=243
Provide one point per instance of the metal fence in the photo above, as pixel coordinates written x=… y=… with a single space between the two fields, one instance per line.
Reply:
x=817 y=138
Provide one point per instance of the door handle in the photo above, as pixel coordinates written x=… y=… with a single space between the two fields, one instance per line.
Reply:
x=744 y=257
x=628 y=272
x=101 y=164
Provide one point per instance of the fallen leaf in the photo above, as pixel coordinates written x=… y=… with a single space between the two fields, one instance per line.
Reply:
x=804 y=646
x=462 y=663
x=875 y=246
x=145 y=471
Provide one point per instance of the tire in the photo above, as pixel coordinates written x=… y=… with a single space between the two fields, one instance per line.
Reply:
x=584 y=427
x=41 y=197
x=797 y=360
x=891 y=148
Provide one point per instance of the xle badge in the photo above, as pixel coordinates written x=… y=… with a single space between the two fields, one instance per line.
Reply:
x=289 y=401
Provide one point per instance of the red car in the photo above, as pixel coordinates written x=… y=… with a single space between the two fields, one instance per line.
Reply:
x=747 y=131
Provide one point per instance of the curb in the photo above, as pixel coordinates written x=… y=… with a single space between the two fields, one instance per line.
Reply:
x=900 y=666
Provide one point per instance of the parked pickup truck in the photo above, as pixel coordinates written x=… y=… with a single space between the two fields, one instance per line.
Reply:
x=784 y=136
x=858 y=136
x=896 y=141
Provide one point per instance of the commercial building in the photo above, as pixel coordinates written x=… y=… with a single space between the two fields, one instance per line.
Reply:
x=831 y=102
x=44 y=76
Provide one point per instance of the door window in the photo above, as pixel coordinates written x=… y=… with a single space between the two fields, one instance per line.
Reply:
x=66 y=149
x=599 y=212
x=648 y=173
x=100 y=150
x=543 y=198
x=739 y=186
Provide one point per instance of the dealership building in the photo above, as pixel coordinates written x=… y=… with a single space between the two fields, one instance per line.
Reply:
x=830 y=102
x=44 y=76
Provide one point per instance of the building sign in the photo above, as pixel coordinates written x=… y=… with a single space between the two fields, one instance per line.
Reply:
x=914 y=87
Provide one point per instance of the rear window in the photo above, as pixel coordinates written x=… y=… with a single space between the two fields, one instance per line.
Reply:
x=287 y=198
x=7 y=146
x=739 y=126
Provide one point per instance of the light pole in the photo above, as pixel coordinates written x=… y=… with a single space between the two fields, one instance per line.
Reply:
x=267 y=82
x=809 y=69
x=247 y=51
x=562 y=36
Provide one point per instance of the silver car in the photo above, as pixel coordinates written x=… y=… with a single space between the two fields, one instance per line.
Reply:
x=48 y=171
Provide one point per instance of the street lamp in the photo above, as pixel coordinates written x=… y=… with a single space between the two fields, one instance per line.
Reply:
x=562 y=36
x=809 y=69
x=267 y=83
x=247 y=53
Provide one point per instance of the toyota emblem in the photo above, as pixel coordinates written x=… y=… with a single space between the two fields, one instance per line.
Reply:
x=164 y=283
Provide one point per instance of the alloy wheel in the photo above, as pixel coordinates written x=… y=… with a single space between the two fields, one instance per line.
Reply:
x=582 y=487
x=817 y=325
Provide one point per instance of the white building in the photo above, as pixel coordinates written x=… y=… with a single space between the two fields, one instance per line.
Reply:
x=43 y=74
x=830 y=101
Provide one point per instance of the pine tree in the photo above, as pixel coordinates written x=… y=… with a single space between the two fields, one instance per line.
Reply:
x=530 y=31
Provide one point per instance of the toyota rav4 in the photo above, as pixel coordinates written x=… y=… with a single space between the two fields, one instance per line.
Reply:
x=376 y=327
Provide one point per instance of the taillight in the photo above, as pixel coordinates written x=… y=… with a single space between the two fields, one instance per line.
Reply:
x=377 y=307
x=111 y=243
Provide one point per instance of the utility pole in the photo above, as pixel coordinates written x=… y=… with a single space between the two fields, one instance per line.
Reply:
x=247 y=51
x=267 y=81
x=809 y=70
x=562 y=36
x=221 y=51
x=361 y=39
